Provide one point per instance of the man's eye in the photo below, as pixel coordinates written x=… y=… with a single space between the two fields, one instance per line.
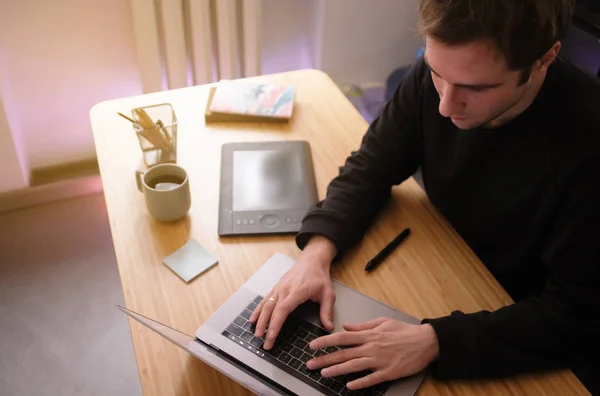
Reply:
x=477 y=89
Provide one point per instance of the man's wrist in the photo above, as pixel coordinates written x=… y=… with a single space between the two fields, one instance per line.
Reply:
x=320 y=249
x=430 y=342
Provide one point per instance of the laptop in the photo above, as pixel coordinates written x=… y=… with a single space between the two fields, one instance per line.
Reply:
x=227 y=343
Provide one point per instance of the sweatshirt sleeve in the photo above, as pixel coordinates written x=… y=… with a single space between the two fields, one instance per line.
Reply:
x=390 y=153
x=559 y=328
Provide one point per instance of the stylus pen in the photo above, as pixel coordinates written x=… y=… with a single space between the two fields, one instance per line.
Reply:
x=371 y=265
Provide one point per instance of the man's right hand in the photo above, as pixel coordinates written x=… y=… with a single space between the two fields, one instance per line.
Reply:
x=308 y=279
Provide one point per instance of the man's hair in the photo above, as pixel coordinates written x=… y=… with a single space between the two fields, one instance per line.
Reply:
x=522 y=30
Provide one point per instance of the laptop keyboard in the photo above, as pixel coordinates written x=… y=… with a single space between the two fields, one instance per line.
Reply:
x=291 y=352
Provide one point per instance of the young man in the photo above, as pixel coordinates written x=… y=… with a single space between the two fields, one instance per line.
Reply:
x=508 y=139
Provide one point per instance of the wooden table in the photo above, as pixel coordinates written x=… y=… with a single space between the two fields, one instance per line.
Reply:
x=429 y=277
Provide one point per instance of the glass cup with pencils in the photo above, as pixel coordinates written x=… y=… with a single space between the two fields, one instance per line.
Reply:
x=156 y=130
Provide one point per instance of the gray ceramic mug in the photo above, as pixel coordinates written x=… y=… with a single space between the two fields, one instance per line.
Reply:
x=166 y=188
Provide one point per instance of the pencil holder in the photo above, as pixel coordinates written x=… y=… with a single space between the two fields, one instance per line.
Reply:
x=156 y=130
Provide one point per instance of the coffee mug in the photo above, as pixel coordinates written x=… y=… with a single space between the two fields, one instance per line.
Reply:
x=166 y=188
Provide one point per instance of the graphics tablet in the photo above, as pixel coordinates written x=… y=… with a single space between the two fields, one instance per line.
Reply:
x=266 y=187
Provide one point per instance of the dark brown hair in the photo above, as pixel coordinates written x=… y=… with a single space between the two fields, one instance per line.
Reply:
x=522 y=30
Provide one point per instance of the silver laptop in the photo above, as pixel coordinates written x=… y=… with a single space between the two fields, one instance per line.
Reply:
x=226 y=341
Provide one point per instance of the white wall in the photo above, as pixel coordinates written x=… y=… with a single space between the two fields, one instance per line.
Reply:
x=287 y=35
x=14 y=171
x=365 y=40
x=64 y=56
x=354 y=41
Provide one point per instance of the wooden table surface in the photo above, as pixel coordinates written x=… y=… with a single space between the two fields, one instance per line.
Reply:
x=432 y=275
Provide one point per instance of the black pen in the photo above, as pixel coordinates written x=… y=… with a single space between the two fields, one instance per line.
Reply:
x=387 y=250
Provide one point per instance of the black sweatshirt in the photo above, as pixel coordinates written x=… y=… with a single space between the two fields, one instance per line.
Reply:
x=525 y=197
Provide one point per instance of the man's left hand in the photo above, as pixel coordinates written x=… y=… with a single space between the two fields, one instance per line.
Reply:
x=389 y=348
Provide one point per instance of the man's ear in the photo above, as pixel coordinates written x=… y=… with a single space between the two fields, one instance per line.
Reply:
x=546 y=60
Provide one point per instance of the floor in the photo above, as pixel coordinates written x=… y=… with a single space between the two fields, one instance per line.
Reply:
x=59 y=331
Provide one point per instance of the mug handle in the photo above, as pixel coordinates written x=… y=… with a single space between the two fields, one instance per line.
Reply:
x=138 y=179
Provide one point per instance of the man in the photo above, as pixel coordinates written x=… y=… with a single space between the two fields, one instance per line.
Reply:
x=508 y=139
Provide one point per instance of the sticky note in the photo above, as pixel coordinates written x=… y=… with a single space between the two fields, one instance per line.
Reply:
x=190 y=260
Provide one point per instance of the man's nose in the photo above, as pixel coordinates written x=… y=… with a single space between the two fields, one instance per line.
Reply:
x=450 y=103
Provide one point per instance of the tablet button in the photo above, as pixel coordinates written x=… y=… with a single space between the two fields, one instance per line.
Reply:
x=245 y=222
x=251 y=221
x=238 y=222
x=270 y=221
x=288 y=220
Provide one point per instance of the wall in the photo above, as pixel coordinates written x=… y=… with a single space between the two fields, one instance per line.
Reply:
x=364 y=40
x=14 y=171
x=287 y=35
x=63 y=57
x=354 y=41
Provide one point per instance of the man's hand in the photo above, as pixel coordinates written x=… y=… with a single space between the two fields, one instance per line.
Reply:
x=308 y=279
x=388 y=347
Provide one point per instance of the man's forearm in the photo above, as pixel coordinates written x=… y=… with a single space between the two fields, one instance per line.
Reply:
x=390 y=152
x=516 y=339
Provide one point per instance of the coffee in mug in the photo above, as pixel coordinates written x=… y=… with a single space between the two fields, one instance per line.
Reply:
x=166 y=189
x=166 y=182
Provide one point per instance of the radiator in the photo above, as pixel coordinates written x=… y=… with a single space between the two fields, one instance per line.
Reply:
x=181 y=43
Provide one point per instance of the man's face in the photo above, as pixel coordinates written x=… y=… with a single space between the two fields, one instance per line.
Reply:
x=474 y=83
